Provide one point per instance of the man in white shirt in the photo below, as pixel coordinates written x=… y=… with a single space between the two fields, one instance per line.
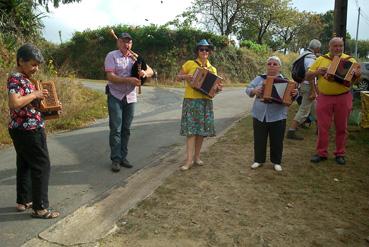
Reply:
x=307 y=91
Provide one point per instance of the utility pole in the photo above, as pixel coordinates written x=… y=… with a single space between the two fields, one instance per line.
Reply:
x=340 y=19
x=357 y=31
x=60 y=37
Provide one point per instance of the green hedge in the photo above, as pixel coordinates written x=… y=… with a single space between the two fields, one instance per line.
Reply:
x=161 y=47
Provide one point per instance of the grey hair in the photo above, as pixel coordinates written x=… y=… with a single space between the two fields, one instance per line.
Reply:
x=275 y=58
x=314 y=44
x=335 y=39
x=29 y=52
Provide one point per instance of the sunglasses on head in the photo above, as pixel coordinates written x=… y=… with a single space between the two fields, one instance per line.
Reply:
x=204 y=49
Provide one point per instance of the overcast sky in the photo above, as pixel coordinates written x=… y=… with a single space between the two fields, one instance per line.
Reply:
x=92 y=14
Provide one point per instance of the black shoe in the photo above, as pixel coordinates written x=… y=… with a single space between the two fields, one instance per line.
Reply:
x=291 y=134
x=316 y=158
x=125 y=163
x=340 y=160
x=115 y=167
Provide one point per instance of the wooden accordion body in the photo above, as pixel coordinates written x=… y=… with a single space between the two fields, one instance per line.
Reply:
x=50 y=106
x=341 y=70
x=206 y=82
x=278 y=90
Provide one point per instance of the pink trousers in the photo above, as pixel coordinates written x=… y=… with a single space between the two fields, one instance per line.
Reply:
x=330 y=108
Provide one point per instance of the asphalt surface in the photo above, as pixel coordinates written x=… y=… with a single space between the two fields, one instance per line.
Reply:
x=81 y=174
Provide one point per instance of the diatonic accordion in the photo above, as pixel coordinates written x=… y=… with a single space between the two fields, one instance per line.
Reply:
x=49 y=106
x=206 y=82
x=341 y=70
x=278 y=90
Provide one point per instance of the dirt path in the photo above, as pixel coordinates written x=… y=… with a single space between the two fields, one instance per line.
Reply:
x=225 y=203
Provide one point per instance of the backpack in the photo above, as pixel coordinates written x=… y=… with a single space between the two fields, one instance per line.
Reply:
x=298 y=68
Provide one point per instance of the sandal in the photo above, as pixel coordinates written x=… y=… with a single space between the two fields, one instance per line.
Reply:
x=186 y=166
x=199 y=162
x=45 y=214
x=23 y=207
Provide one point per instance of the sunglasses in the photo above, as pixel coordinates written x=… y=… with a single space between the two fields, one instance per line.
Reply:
x=272 y=64
x=204 y=49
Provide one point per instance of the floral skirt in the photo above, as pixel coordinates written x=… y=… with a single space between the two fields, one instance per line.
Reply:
x=197 y=117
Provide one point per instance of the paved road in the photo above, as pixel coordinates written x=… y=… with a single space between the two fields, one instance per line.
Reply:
x=80 y=159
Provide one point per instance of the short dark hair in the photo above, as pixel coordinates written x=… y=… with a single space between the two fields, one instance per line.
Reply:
x=29 y=52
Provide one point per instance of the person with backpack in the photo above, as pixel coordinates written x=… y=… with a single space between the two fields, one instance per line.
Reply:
x=306 y=88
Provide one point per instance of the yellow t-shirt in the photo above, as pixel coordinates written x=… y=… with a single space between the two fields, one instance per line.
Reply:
x=189 y=68
x=329 y=87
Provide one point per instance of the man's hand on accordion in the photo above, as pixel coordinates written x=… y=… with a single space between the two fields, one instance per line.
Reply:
x=357 y=72
x=134 y=81
x=142 y=74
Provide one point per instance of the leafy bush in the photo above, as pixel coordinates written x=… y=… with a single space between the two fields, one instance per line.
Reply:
x=162 y=48
x=257 y=48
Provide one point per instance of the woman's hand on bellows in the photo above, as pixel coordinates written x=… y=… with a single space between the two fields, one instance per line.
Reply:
x=220 y=86
x=40 y=94
x=257 y=91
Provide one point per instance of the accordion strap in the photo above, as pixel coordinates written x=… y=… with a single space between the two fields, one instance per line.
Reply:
x=197 y=62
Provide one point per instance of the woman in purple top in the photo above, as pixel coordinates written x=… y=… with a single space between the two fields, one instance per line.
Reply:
x=27 y=130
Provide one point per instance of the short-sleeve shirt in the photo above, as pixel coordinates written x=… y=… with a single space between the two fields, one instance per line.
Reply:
x=329 y=87
x=308 y=61
x=189 y=68
x=27 y=117
x=121 y=66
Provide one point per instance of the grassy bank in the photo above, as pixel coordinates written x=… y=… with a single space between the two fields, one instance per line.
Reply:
x=225 y=203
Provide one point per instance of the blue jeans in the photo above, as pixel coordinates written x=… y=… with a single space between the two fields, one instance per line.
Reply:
x=120 y=118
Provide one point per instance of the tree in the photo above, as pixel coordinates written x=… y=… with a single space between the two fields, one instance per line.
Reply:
x=327 y=32
x=259 y=17
x=184 y=20
x=22 y=19
x=56 y=3
x=311 y=22
x=220 y=16
x=19 y=18
x=285 y=29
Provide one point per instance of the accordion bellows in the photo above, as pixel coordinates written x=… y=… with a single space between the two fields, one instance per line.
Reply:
x=206 y=82
x=278 y=90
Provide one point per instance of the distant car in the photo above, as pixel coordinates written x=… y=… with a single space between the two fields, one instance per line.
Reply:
x=364 y=81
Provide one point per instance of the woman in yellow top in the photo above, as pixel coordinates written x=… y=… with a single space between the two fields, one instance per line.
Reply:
x=197 y=110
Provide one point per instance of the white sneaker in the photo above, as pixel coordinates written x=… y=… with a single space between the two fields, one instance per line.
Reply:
x=278 y=168
x=255 y=165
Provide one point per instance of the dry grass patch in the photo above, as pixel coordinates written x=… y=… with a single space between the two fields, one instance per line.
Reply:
x=225 y=203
